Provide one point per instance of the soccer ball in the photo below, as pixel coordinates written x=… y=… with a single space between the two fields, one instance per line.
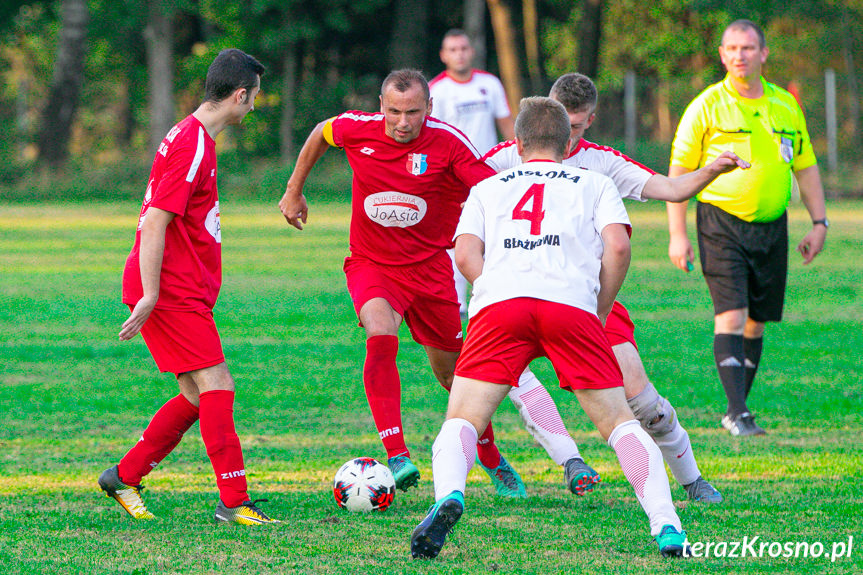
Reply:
x=364 y=484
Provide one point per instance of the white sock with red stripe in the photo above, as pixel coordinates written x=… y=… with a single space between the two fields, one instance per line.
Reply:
x=453 y=454
x=542 y=419
x=677 y=451
x=642 y=464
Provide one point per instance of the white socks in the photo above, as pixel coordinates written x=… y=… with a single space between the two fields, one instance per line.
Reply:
x=453 y=454
x=541 y=418
x=642 y=465
x=677 y=452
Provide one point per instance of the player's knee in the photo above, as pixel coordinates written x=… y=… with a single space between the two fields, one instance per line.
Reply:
x=656 y=416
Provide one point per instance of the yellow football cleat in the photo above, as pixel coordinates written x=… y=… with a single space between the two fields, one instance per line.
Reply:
x=246 y=514
x=128 y=496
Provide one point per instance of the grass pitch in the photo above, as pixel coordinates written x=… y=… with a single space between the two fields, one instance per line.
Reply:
x=74 y=399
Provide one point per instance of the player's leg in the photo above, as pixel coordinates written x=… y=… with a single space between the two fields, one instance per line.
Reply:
x=176 y=340
x=471 y=406
x=573 y=340
x=434 y=323
x=383 y=387
x=506 y=480
x=380 y=302
x=659 y=419
x=542 y=419
x=640 y=460
x=216 y=407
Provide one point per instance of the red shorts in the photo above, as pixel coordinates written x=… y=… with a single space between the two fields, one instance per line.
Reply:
x=182 y=341
x=618 y=326
x=503 y=338
x=423 y=294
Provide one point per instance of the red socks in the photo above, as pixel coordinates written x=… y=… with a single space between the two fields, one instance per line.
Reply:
x=162 y=435
x=486 y=450
x=383 y=391
x=166 y=429
x=223 y=445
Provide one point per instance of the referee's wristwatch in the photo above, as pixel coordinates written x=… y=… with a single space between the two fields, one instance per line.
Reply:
x=822 y=221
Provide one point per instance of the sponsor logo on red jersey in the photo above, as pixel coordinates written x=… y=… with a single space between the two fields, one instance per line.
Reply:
x=394 y=209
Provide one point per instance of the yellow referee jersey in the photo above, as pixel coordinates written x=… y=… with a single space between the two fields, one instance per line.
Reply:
x=768 y=132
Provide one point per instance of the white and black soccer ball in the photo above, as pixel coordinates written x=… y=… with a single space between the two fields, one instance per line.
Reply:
x=364 y=484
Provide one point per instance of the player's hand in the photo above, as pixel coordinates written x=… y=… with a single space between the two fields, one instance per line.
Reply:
x=812 y=244
x=680 y=253
x=139 y=316
x=728 y=161
x=294 y=208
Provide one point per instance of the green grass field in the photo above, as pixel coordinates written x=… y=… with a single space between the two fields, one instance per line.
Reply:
x=74 y=399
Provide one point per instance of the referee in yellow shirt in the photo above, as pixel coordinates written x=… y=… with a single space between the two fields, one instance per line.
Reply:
x=741 y=220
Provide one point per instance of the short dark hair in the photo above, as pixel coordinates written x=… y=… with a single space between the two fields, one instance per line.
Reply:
x=231 y=70
x=542 y=124
x=575 y=91
x=743 y=24
x=455 y=32
x=402 y=80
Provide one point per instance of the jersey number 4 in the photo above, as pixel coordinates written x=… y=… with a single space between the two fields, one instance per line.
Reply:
x=535 y=214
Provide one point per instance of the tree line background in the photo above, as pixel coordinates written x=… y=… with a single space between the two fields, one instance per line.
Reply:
x=97 y=83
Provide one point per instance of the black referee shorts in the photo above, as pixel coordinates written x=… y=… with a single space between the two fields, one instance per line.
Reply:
x=745 y=263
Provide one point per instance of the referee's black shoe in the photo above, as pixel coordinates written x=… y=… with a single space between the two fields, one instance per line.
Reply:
x=742 y=425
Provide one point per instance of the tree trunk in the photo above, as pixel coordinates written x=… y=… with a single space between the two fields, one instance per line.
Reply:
x=504 y=40
x=531 y=45
x=407 y=44
x=65 y=85
x=853 y=90
x=289 y=107
x=160 y=67
x=663 y=113
x=591 y=32
x=474 y=26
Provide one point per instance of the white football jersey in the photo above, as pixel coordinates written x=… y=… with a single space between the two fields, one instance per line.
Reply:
x=628 y=175
x=541 y=223
x=470 y=106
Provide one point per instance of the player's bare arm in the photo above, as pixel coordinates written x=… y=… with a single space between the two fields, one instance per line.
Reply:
x=812 y=195
x=506 y=126
x=293 y=203
x=469 y=252
x=616 y=254
x=680 y=250
x=685 y=186
x=152 y=251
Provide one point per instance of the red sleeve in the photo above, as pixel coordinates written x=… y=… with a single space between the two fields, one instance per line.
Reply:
x=468 y=168
x=178 y=171
x=345 y=126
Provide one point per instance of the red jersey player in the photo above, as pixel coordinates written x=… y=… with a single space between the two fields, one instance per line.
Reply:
x=411 y=175
x=171 y=282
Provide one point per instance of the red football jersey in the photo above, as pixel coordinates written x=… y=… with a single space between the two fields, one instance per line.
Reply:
x=406 y=197
x=183 y=181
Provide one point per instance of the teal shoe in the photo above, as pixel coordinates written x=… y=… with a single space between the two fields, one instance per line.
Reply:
x=404 y=471
x=429 y=536
x=505 y=479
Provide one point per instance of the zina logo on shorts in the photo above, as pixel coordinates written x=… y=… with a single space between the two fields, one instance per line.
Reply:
x=394 y=209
